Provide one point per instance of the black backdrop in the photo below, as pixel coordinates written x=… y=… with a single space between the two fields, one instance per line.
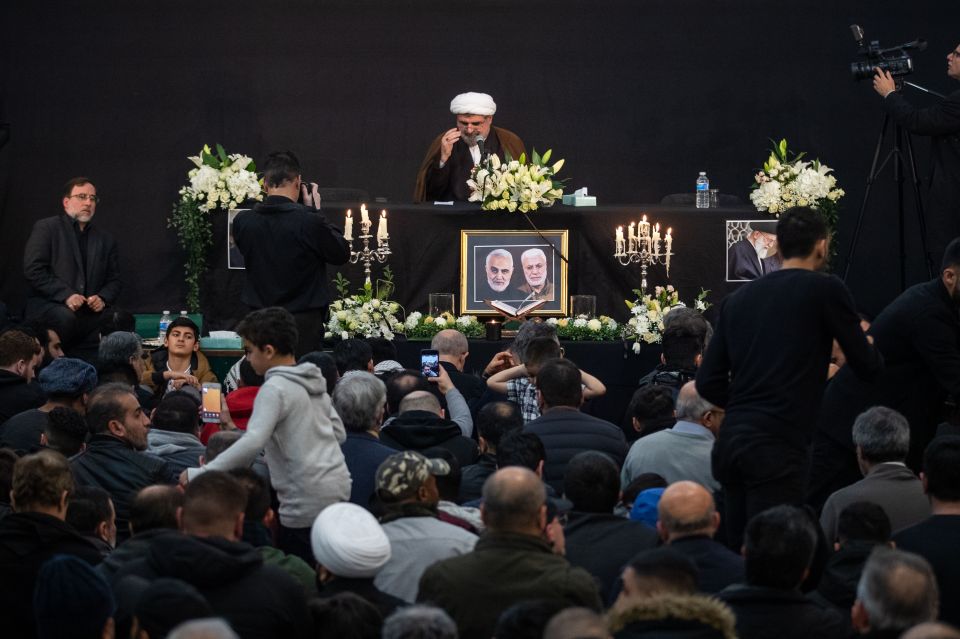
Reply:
x=637 y=96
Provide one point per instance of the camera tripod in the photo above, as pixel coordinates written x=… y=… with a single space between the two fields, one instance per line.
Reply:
x=901 y=154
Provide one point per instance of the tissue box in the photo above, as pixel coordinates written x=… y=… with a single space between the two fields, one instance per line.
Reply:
x=580 y=200
x=220 y=343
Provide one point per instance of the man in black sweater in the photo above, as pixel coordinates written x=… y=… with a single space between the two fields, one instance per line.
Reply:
x=919 y=337
x=286 y=247
x=767 y=367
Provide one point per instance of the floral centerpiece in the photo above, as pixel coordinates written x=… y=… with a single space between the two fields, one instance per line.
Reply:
x=420 y=326
x=787 y=181
x=584 y=328
x=514 y=185
x=366 y=314
x=218 y=181
x=645 y=325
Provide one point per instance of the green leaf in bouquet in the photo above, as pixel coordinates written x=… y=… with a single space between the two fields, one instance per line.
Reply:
x=342 y=284
x=222 y=154
x=535 y=159
x=209 y=160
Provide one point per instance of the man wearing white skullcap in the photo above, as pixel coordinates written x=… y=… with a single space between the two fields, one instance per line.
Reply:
x=350 y=548
x=453 y=154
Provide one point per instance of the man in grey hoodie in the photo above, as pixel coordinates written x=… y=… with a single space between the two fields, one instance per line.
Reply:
x=294 y=421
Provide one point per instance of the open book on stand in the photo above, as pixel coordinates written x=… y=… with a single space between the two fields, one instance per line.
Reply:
x=515 y=312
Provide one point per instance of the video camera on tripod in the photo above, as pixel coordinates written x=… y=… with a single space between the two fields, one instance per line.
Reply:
x=896 y=60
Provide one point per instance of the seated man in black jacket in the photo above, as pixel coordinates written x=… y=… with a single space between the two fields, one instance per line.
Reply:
x=114 y=459
x=286 y=247
x=494 y=420
x=778 y=551
x=33 y=533
x=422 y=424
x=257 y=599
x=597 y=540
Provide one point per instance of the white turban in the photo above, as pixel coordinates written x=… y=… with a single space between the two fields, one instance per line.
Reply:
x=473 y=104
x=349 y=542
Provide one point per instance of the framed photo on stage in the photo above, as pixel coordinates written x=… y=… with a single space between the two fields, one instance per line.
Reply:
x=234 y=258
x=751 y=248
x=515 y=267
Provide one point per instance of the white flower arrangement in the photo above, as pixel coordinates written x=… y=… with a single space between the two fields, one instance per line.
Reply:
x=419 y=326
x=785 y=182
x=514 y=185
x=217 y=181
x=364 y=314
x=586 y=328
x=222 y=180
x=647 y=312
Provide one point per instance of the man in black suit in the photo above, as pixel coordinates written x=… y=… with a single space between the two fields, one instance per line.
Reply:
x=564 y=430
x=942 y=123
x=918 y=335
x=748 y=259
x=71 y=266
x=454 y=349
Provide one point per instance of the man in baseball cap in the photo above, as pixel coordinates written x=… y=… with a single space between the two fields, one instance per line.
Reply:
x=407 y=489
x=453 y=154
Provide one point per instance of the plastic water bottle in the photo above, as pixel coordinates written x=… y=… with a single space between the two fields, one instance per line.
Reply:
x=703 y=191
x=165 y=320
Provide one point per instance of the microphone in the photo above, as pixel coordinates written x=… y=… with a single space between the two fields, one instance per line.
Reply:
x=480 y=142
x=857 y=32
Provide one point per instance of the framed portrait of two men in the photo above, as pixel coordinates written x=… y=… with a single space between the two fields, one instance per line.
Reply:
x=516 y=267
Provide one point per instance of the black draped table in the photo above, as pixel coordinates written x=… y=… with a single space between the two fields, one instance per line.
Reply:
x=425 y=241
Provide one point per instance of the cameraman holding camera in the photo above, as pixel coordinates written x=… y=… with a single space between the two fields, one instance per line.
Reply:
x=942 y=123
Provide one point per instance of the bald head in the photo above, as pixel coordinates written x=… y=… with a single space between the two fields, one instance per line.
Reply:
x=686 y=508
x=514 y=500
x=421 y=400
x=932 y=630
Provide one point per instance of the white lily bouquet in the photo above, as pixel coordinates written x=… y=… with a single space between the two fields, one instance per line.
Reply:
x=788 y=181
x=217 y=181
x=514 y=185
x=365 y=314
x=645 y=325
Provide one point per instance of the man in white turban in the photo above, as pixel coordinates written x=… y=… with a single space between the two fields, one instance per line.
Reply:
x=351 y=547
x=453 y=154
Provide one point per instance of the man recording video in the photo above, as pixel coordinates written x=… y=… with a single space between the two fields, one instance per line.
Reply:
x=942 y=123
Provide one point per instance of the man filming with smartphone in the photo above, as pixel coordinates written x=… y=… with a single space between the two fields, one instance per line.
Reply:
x=941 y=122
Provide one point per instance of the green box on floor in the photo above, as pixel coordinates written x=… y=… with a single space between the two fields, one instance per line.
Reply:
x=148 y=324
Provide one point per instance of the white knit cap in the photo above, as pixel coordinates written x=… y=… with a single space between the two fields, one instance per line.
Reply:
x=349 y=542
x=473 y=104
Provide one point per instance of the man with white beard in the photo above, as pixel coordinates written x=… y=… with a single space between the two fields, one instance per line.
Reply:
x=537 y=285
x=749 y=258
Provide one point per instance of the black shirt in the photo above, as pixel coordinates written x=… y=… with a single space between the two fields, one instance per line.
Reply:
x=767 y=361
x=82 y=236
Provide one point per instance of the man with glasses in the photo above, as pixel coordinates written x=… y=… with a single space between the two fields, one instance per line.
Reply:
x=71 y=266
x=942 y=123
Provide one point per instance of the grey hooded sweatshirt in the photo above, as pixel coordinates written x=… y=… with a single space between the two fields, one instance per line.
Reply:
x=294 y=422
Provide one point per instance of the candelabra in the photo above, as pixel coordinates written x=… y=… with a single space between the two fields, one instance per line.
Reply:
x=366 y=254
x=644 y=248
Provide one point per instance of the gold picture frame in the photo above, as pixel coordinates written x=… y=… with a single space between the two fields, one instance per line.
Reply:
x=505 y=253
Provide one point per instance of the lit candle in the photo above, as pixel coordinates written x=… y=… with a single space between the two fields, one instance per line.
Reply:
x=348 y=226
x=644 y=227
x=382 y=234
x=632 y=237
x=656 y=240
x=364 y=216
x=669 y=248
x=619 y=244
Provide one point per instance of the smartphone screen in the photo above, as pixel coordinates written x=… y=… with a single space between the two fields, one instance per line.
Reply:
x=430 y=363
x=211 y=403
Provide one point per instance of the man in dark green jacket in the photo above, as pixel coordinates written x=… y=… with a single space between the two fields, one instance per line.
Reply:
x=514 y=561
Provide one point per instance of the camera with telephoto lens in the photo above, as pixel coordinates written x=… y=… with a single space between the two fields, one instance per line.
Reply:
x=894 y=60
